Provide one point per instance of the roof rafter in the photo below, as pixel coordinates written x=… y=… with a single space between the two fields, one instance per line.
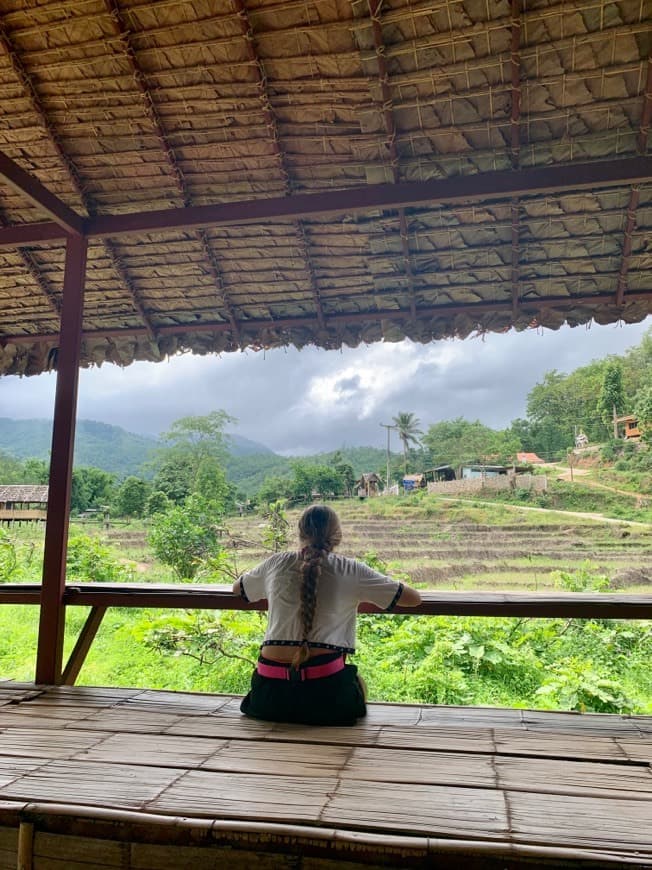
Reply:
x=272 y=126
x=634 y=195
x=33 y=269
x=26 y=81
x=468 y=310
x=375 y=7
x=515 y=146
x=485 y=187
x=122 y=31
x=20 y=181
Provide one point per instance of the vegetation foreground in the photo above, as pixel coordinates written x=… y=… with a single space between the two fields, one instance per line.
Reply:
x=587 y=665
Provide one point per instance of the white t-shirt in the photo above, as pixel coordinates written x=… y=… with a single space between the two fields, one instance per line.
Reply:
x=343 y=583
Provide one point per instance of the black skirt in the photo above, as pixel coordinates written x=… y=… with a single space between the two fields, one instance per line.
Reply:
x=333 y=700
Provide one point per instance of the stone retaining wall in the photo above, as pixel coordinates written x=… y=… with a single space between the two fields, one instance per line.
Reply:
x=533 y=482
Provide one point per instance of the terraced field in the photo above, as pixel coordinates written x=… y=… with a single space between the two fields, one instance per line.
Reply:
x=449 y=549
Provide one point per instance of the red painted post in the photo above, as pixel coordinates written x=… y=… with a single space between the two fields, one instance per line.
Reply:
x=53 y=615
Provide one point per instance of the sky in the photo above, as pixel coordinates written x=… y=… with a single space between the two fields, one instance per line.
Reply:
x=308 y=401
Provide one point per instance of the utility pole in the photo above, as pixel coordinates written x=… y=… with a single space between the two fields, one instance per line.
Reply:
x=387 y=426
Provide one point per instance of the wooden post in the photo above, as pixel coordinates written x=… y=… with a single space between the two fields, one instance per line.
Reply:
x=53 y=616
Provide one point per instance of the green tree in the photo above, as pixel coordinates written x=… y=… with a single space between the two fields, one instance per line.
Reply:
x=611 y=400
x=157 y=503
x=643 y=410
x=11 y=470
x=185 y=536
x=459 y=441
x=197 y=439
x=132 y=496
x=91 y=488
x=211 y=484
x=308 y=478
x=174 y=478
x=36 y=471
x=273 y=489
x=407 y=426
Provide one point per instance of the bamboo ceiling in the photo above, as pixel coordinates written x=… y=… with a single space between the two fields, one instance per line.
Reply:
x=125 y=108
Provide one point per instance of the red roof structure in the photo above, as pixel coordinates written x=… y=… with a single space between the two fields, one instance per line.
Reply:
x=530 y=458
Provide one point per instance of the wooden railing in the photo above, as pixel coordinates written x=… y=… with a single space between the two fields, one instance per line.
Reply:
x=100 y=596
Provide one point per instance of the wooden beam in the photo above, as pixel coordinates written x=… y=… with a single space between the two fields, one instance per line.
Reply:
x=31 y=188
x=544 y=605
x=460 y=188
x=530 y=306
x=484 y=186
x=52 y=615
x=83 y=645
x=634 y=194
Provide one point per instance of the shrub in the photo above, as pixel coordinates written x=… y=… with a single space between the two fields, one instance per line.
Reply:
x=88 y=560
x=183 y=537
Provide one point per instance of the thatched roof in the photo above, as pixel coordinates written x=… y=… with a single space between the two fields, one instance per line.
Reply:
x=120 y=107
x=23 y=494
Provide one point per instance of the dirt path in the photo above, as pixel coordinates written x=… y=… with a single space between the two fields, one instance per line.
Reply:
x=581 y=514
x=568 y=476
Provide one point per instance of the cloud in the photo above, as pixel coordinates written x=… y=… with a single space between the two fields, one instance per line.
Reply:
x=303 y=401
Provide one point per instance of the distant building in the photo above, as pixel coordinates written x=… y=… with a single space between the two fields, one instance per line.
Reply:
x=412 y=482
x=532 y=458
x=471 y=471
x=23 y=503
x=368 y=485
x=627 y=427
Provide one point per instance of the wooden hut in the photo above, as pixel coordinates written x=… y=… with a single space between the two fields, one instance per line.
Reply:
x=21 y=503
x=368 y=485
x=213 y=177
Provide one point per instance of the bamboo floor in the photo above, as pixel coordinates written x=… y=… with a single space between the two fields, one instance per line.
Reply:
x=99 y=777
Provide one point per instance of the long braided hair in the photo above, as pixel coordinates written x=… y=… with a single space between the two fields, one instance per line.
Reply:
x=319 y=534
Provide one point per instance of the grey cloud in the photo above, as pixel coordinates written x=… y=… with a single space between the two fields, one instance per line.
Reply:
x=267 y=392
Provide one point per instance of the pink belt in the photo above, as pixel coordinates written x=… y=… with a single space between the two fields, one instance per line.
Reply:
x=310 y=672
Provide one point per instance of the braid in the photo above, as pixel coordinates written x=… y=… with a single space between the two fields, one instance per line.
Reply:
x=319 y=529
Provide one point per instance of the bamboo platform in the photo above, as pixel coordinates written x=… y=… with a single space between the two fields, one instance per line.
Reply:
x=97 y=777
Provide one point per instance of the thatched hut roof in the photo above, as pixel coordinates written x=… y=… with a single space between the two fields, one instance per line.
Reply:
x=19 y=493
x=490 y=110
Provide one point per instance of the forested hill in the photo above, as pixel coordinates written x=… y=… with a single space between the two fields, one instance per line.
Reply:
x=110 y=448
x=96 y=444
x=249 y=472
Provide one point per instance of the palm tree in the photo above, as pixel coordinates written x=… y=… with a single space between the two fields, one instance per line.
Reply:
x=407 y=426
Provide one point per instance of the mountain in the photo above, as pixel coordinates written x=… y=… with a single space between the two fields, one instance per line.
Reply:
x=123 y=453
x=101 y=445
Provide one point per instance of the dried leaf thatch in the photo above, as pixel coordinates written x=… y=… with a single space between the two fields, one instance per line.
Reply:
x=122 y=106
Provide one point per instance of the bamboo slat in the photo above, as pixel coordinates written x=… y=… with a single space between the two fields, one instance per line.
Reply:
x=508 y=777
x=414 y=766
x=451 y=738
x=566 y=745
x=204 y=793
x=587 y=822
x=418 y=809
x=90 y=783
x=42 y=743
x=158 y=750
x=280 y=759
x=552 y=776
x=637 y=750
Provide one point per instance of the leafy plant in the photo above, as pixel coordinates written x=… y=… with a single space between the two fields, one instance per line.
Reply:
x=183 y=537
x=584 y=579
x=574 y=685
x=275 y=534
x=88 y=560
